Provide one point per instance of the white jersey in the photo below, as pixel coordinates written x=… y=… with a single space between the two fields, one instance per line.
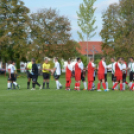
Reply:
x=11 y=68
x=58 y=69
x=124 y=67
x=81 y=66
x=112 y=67
x=131 y=67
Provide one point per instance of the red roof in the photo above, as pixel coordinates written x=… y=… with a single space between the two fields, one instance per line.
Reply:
x=92 y=45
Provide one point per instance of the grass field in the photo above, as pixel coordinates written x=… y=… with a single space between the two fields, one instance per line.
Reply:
x=64 y=112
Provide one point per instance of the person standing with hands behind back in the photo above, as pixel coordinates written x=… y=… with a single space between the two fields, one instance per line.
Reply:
x=46 y=73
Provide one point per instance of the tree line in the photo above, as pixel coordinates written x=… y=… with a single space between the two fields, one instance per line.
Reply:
x=24 y=34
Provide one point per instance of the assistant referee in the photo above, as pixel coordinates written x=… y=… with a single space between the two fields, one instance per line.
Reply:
x=46 y=73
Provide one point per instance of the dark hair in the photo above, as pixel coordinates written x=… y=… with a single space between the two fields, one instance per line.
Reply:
x=9 y=62
x=132 y=58
x=33 y=60
x=102 y=57
x=122 y=58
x=78 y=58
x=118 y=58
x=91 y=58
x=56 y=58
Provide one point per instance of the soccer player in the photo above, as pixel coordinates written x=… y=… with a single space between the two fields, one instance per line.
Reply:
x=124 y=72
x=118 y=74
x=90 y=68
x=78 y=69
x=34 y=73
x=11 y=77
x=46 y=73
x=112 y=67
x=15 y=75
x=131 y=68
x=68 y=75
x=57 y=73
x=101 y=74
x=83 y=76
x=29 y=75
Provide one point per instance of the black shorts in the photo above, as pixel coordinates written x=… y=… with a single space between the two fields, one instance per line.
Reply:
x=105 y=77
x=56 y=77
x=131 y=76
x=29 y=75
x=94 y=78
x=12 y=78
x=34 y=78
x=82 y=77
x=113 y=78
x=46 y=76
x=124 y=77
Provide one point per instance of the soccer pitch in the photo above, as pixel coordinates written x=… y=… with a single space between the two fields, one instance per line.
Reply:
x=64 y=112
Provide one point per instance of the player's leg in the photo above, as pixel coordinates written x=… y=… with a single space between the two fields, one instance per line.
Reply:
x=106 y=81
x=48 y=79
x=44 y=80
x=84 y=81
x=14 y=82
x=121 y=85
x=104 y=84
x=130 y=79
x=9 y=83
x=115 y=84
x=78 y=85
x=99 y=85
x=58 y=84
x=124 y=81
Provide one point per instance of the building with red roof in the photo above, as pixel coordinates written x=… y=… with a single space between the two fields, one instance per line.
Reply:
x=93 y=47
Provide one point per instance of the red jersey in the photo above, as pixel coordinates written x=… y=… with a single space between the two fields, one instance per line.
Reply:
x=90 y=72
x=68 y=72
x=77 y=72
x=101 y=69
x=118 y=71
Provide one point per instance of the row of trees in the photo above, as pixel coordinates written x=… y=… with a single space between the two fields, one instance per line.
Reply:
x=118 y=29
x=24 y=35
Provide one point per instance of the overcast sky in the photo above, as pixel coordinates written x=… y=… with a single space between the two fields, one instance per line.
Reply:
x=69 y=8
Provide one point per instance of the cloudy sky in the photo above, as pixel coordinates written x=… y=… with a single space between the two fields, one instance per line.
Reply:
x=69 y=8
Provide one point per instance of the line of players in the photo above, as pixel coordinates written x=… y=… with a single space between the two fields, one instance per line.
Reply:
x=119 y=74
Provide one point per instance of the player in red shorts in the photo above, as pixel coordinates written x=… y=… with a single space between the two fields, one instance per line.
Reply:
x=68 y=75
x=90 y=68
x=118 y=74
x=101 y=74
x=78 y=70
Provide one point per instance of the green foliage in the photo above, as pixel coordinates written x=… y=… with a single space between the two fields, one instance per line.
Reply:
x=84 y=60
x=86 y=19
x=118 y=29
x=51 y=64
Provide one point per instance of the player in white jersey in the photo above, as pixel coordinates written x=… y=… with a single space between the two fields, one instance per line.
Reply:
x=131 y=69
x=83 y=76
x=112 y=68
x=124 y=72
x=57 y=73
x=11 y=77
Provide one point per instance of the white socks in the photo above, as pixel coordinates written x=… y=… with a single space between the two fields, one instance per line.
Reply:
x=58 y=84
x=8 y=85
x=130 y=84
x=15 y=83
x=107 y=85
x=85 y=85
x=124 y=84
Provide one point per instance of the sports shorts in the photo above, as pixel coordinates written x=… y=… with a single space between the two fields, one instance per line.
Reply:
x=46 y=75
x=131 y=76
x=12 y=78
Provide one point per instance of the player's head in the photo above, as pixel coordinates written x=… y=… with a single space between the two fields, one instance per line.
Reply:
x=9 y=62
x=112 y=59
x=103 y=58
x=131 y=59
x=78 y=59
x=33 y=60
x=46 y=60
x=69 y=61
x=13 y=62
x=122 y=60
x=56 y=59
x=91 y=59
x=119 y=59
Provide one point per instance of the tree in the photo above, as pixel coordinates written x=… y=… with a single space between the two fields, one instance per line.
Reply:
x=118 y=29
x=13 y=35
x=86 y=21
x=50 y=35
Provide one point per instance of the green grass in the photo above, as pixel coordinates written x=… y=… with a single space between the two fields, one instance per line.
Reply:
x=63 y=112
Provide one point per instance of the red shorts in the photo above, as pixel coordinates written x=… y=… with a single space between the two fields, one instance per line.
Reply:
x=118 y=78
x=101 y=76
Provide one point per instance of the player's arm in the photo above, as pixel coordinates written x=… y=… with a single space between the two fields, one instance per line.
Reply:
x=9 y=71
